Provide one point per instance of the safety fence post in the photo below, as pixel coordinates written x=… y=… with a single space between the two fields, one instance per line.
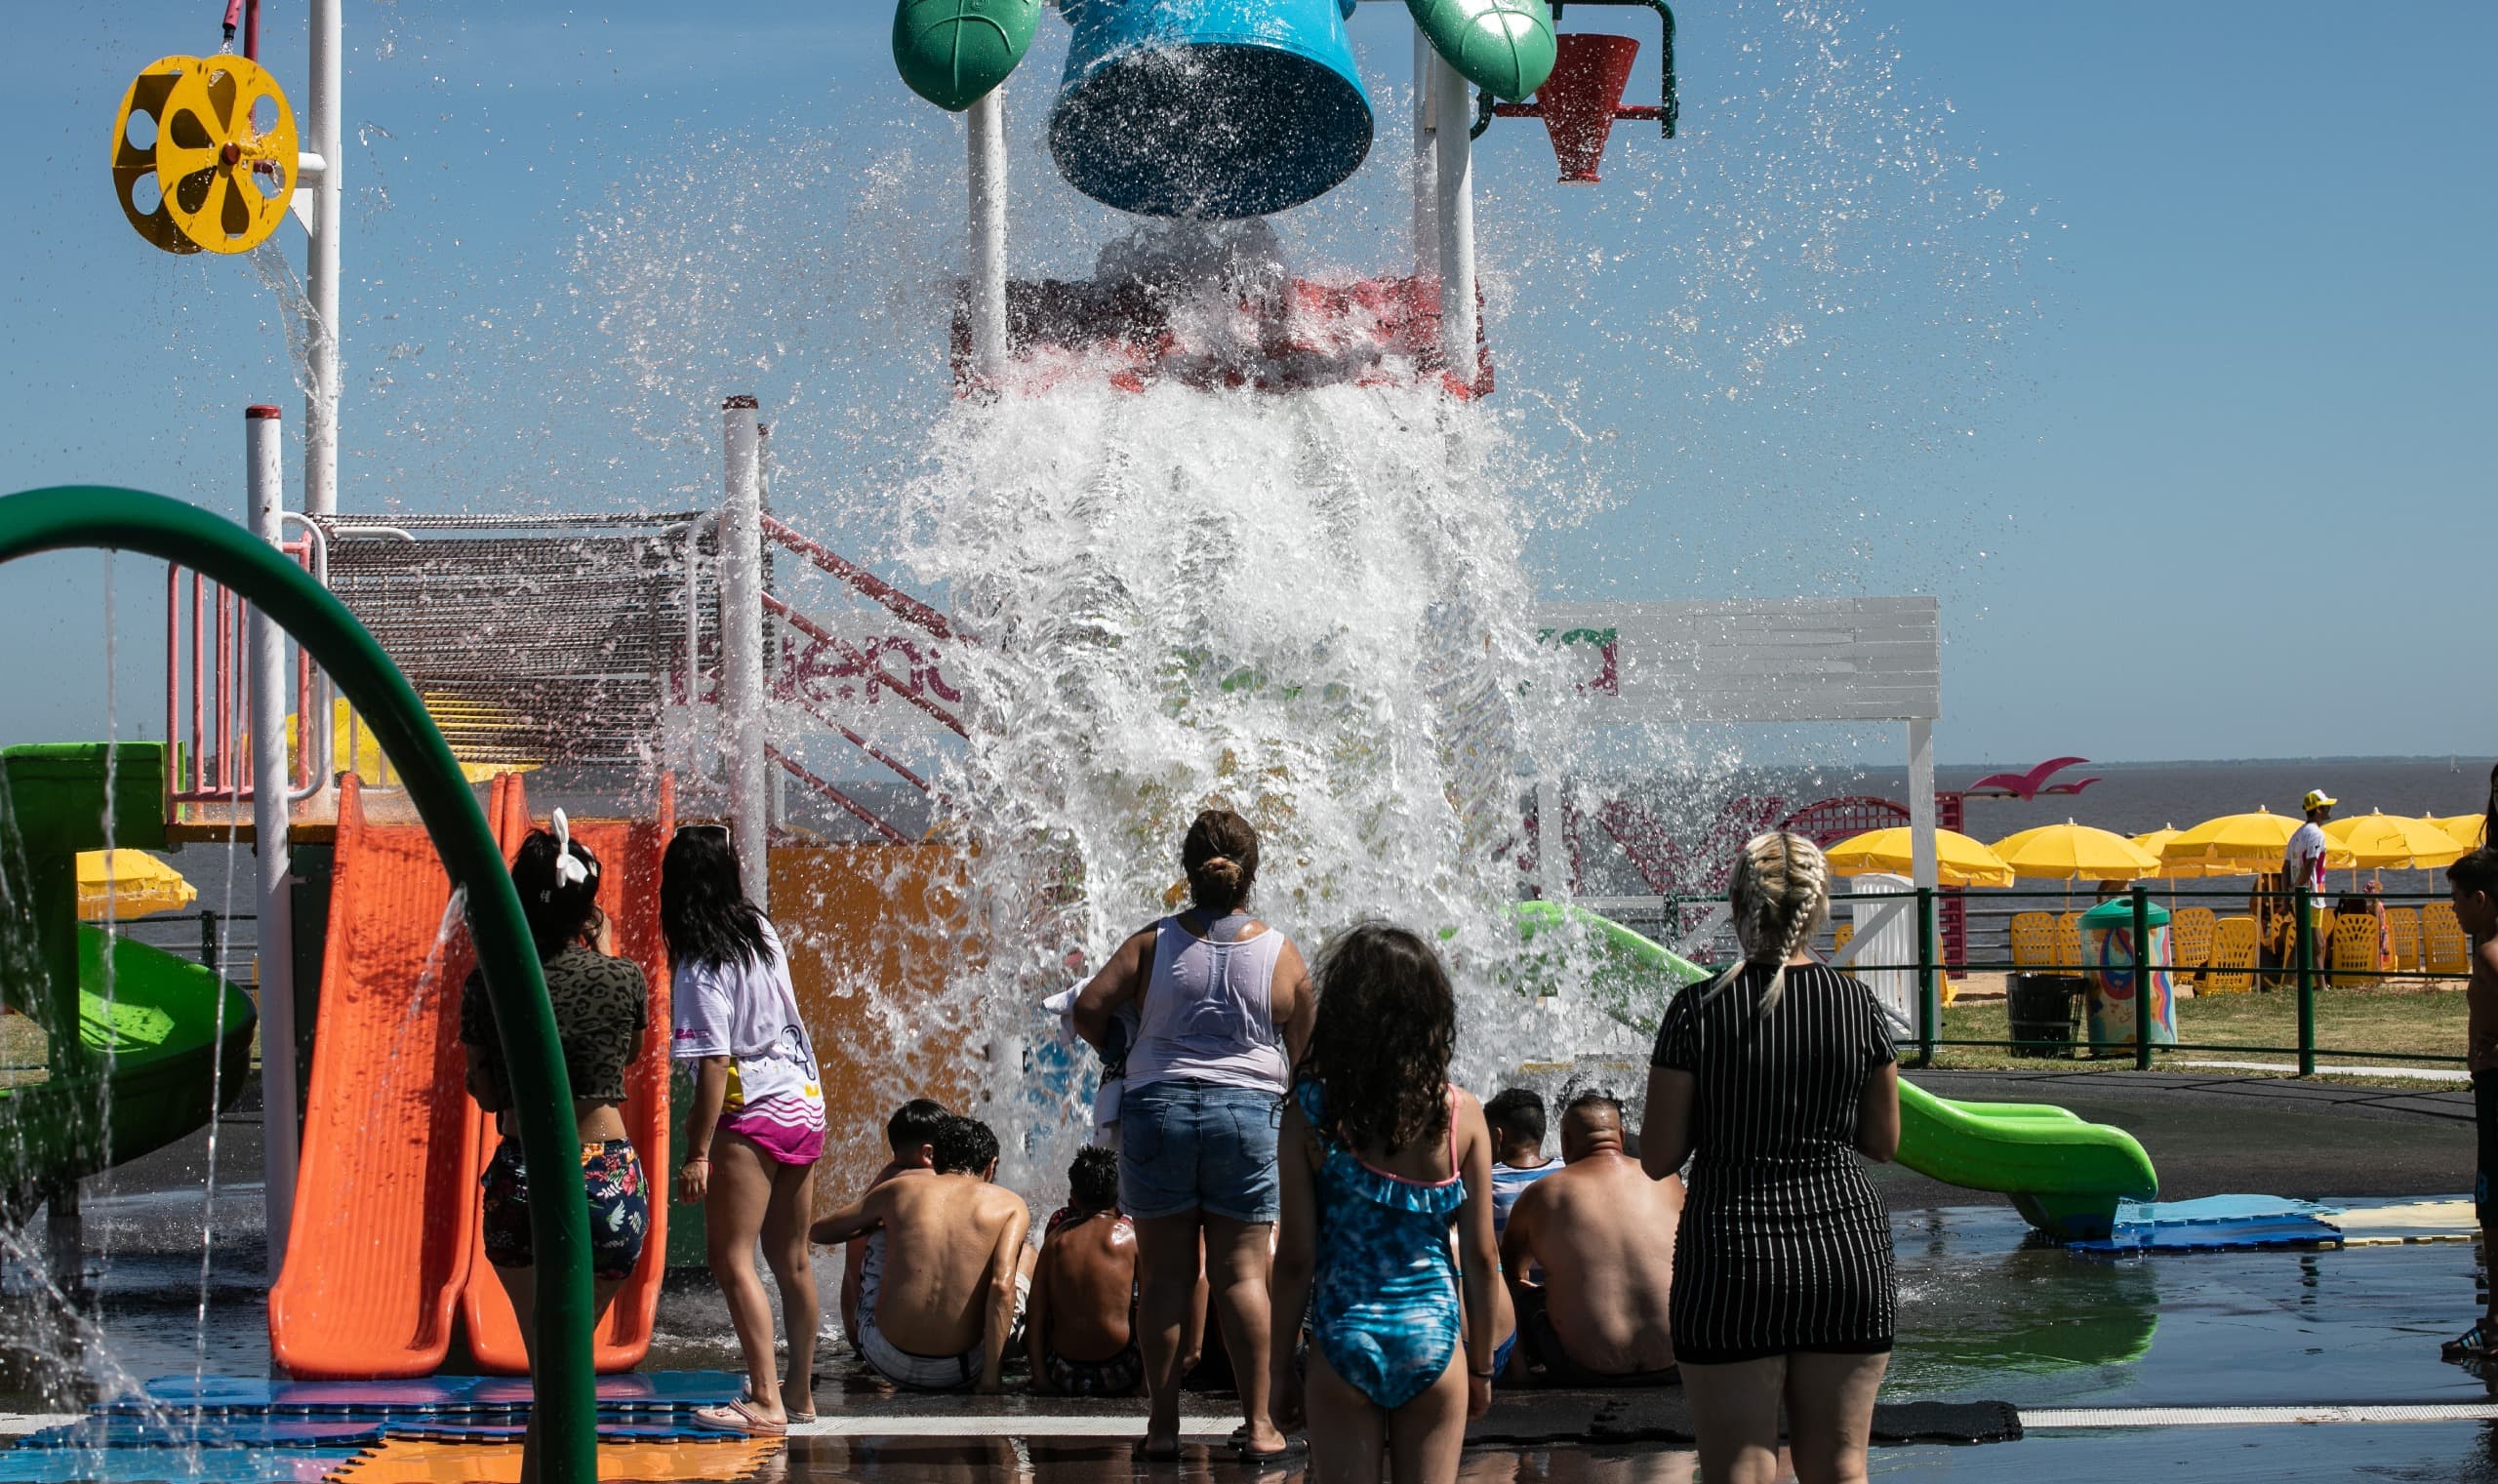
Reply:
x=1929 y=994
x=2305 y=928
x=2142 y=978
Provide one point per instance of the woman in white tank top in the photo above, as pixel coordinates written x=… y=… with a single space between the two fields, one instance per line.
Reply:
x=1224 y=1010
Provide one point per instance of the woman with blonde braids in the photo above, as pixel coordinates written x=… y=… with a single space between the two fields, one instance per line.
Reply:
x=1772 y=1080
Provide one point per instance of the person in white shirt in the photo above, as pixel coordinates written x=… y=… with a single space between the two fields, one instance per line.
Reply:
x=2303 y=866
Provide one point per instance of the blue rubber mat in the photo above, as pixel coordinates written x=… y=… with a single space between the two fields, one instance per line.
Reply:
x=2242 y=1234
x=156 y=1465
x=225 y=1430
x=439 y=1395
x=2217 y=1208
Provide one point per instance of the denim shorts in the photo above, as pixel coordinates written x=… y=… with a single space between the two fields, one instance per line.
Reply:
x=1191 y=1146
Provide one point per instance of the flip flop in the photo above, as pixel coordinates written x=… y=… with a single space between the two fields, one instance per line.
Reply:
x=2473 y=1343
x=740 y=1416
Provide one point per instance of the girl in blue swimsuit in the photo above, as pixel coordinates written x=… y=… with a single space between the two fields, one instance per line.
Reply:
x=1379 y=1156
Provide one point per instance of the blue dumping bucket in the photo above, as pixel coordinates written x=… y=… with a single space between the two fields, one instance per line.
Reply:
x=1209 y=109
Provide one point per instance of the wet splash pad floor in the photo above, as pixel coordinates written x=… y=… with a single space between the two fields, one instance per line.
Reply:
x=2097 y=1353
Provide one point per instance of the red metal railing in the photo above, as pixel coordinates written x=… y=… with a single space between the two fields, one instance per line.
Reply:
x=863 y=582
x=208 y=719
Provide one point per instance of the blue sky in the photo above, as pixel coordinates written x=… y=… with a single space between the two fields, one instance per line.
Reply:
x=2155 y=339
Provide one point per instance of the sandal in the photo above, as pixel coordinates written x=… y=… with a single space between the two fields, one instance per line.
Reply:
x=2473 y=1343
x=742 y=1416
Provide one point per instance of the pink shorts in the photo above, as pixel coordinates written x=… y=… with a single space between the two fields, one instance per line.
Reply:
x=789 y=1128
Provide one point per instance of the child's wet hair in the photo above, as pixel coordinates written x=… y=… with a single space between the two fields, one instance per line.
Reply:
x=915 y=1123
x=559 y=912
x=1519 y=1112
x=1092 y=1180
x=1379 y=1048
x=965 y=1146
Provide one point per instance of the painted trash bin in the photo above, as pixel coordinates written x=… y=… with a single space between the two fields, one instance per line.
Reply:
x=2107 y=963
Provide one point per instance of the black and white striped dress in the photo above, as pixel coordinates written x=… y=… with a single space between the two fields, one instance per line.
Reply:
x=1785 y=1246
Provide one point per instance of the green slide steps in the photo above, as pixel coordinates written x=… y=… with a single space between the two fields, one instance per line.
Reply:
x=953 y=52
x=2065 y=1175
x=155 y=1047
x=1505 y=47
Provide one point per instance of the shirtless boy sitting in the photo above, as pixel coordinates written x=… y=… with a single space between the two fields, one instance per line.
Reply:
x=912 y=1134
x=1603 y=1233
x=948 y=1286
x=1081 y=1333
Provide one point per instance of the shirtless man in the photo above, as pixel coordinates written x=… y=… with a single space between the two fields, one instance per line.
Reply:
x=1603 y=1233
x=912 y=1134
x=949 y=1281
x=1080 y=1334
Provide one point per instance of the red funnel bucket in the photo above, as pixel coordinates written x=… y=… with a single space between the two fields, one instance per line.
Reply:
x=1578 y=100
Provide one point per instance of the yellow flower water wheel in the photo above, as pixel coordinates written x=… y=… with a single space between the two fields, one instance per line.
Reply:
x=204 y=154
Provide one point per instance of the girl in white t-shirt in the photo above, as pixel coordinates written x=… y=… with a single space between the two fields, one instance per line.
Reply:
x=756 y=1126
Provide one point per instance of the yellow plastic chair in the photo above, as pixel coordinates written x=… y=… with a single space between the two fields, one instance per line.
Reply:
x=2443 y=948
x=2190 y=937
x=2034 y=940
x=2068 y=941
x=1839 y=939
x=2351 y=957
x=2402 y=925
x=2230 y=969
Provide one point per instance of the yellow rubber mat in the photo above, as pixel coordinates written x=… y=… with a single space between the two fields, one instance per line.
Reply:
x=2447 y=1220
x=406 y=1461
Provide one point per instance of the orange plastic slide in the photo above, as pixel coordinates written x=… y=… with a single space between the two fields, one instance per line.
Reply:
x=384 y=1249
x=628 y=888
x=384 y=1230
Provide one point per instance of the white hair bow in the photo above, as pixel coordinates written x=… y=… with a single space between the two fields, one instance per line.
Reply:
x=570 y=868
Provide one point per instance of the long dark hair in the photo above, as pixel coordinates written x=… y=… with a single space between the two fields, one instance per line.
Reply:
x=1387 y=1026
x=558 y=912
x=704 y=912
x=1220 y=858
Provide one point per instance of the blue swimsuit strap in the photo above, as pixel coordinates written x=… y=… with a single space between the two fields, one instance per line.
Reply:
x=1354 y=1176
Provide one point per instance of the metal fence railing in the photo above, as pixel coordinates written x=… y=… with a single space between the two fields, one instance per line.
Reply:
x=2400 y=940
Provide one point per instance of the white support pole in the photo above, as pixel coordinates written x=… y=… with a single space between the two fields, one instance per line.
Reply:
x=1427 y=238
x=776 y=639
x=986 y=173
x=271 y=686
x=321 y=275
x=1552 y=847
x=1924 y=868
x=742 y=694
x=1451 y=94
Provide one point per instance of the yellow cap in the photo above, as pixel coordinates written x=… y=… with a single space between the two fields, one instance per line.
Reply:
x=2318 y=798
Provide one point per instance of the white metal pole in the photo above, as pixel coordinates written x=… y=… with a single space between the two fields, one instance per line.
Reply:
x=742 y=696
x=1923 y=866
x=271 y=686
x=988 y=220
x=321 y=276
x=1452 y=118
x=1552 y=845
x=1426 y=244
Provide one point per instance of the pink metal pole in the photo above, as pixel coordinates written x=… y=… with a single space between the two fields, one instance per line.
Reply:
x=173 y=657
x=199 y=688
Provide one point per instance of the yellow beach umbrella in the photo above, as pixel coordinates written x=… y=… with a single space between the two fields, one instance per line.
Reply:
x=128 y=883
x=2380 y=840
x=2472 y=829
x=2071 y=852
x=1960 y=861
x=2249 y=842
x=2157 y=841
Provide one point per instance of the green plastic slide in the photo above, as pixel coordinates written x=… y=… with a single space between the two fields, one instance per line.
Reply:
x=2065 y=1176
x=129 y=1055
x=152 y=1050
